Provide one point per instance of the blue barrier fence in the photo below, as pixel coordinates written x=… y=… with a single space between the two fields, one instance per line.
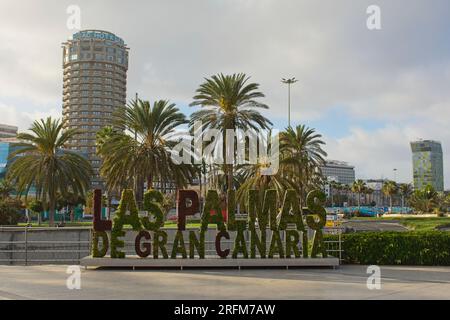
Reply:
x=369 y=211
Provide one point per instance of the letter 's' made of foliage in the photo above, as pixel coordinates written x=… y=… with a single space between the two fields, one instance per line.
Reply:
x=153 y=201
x=316 y=220
x=290 y=212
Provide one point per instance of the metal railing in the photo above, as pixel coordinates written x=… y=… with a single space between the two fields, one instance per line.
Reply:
x=27 y=246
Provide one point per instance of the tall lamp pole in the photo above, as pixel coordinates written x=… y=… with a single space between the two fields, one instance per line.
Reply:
x=289 y=82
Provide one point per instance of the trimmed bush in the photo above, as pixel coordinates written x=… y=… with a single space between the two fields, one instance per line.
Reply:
x=397 y=248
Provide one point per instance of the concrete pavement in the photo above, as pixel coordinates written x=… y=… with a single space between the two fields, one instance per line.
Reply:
x=348 y=282
x=374 y=225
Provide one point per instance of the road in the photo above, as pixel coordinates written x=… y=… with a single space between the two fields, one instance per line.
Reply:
x=374 y=225
x=347 y=282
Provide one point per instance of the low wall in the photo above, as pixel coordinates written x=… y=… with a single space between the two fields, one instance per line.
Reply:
x=68 y=245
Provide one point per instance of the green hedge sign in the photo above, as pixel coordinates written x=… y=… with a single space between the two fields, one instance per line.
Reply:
x=275 y=232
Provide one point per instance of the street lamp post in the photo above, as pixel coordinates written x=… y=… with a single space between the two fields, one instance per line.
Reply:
x=289 y=82
x=395 y=179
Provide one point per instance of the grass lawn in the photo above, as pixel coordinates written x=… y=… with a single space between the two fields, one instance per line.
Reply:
x=416 y=223
x=425 y=224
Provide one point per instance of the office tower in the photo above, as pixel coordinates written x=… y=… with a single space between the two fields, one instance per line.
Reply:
x=7 y=131
x=95 y=67
x=428 y=168
x=338 y=171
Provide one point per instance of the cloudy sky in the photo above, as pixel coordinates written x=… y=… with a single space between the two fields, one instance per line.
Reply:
x=368 y=92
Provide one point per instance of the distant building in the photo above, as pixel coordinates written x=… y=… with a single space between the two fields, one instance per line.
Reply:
x=377 y=196
x=95 y=67
x=428 y=168
x=6 y=148
x=338 y=171
x=7 y=131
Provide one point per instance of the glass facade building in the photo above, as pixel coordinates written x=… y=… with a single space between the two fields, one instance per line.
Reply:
x=428 y=167
x=95 y=67
x=6 y=148
x=4 y=154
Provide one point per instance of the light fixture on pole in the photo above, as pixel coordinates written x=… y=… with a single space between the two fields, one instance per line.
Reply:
x=289 y=82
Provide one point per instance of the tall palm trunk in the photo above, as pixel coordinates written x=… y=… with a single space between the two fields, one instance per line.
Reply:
x=51 y=212
x=230 y=177
x=149 y=182
x=228 y=168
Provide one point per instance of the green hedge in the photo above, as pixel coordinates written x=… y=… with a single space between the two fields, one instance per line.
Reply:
x=397 y=248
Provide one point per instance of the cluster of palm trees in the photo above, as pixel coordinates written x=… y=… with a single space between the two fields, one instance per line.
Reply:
x=136 y=150
x=41 y=162
x=361 y=191
x=428 y=200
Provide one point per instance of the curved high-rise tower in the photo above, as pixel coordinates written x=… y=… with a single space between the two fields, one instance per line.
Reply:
x=428 y=164
x=95 y=66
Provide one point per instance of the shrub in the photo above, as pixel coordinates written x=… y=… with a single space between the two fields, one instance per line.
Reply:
x=36 y=206
x=9 y=213
x=397 y=248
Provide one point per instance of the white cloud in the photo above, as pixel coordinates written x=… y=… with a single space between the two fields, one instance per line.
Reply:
x=23 y=119
x=398 y=75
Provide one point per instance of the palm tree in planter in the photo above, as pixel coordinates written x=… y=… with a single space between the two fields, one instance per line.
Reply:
x=229 y=102
x=390 y=189
x=358 y=187
x=41 y=161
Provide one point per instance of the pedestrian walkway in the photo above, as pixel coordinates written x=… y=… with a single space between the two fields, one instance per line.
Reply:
x=348 y=282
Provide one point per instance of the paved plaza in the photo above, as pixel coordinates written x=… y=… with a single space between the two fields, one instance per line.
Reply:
x=347 y=282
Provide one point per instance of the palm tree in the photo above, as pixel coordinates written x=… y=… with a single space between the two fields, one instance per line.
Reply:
x=253 y=177
x=424 y=200
x=301 y=157
x=339 y=187
x=229 y=102
x=358 y=187
x=6 y=188
x=145 y=154
x=389 y=189
x=405 y=190
x=41 y=161
x=103 y=135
